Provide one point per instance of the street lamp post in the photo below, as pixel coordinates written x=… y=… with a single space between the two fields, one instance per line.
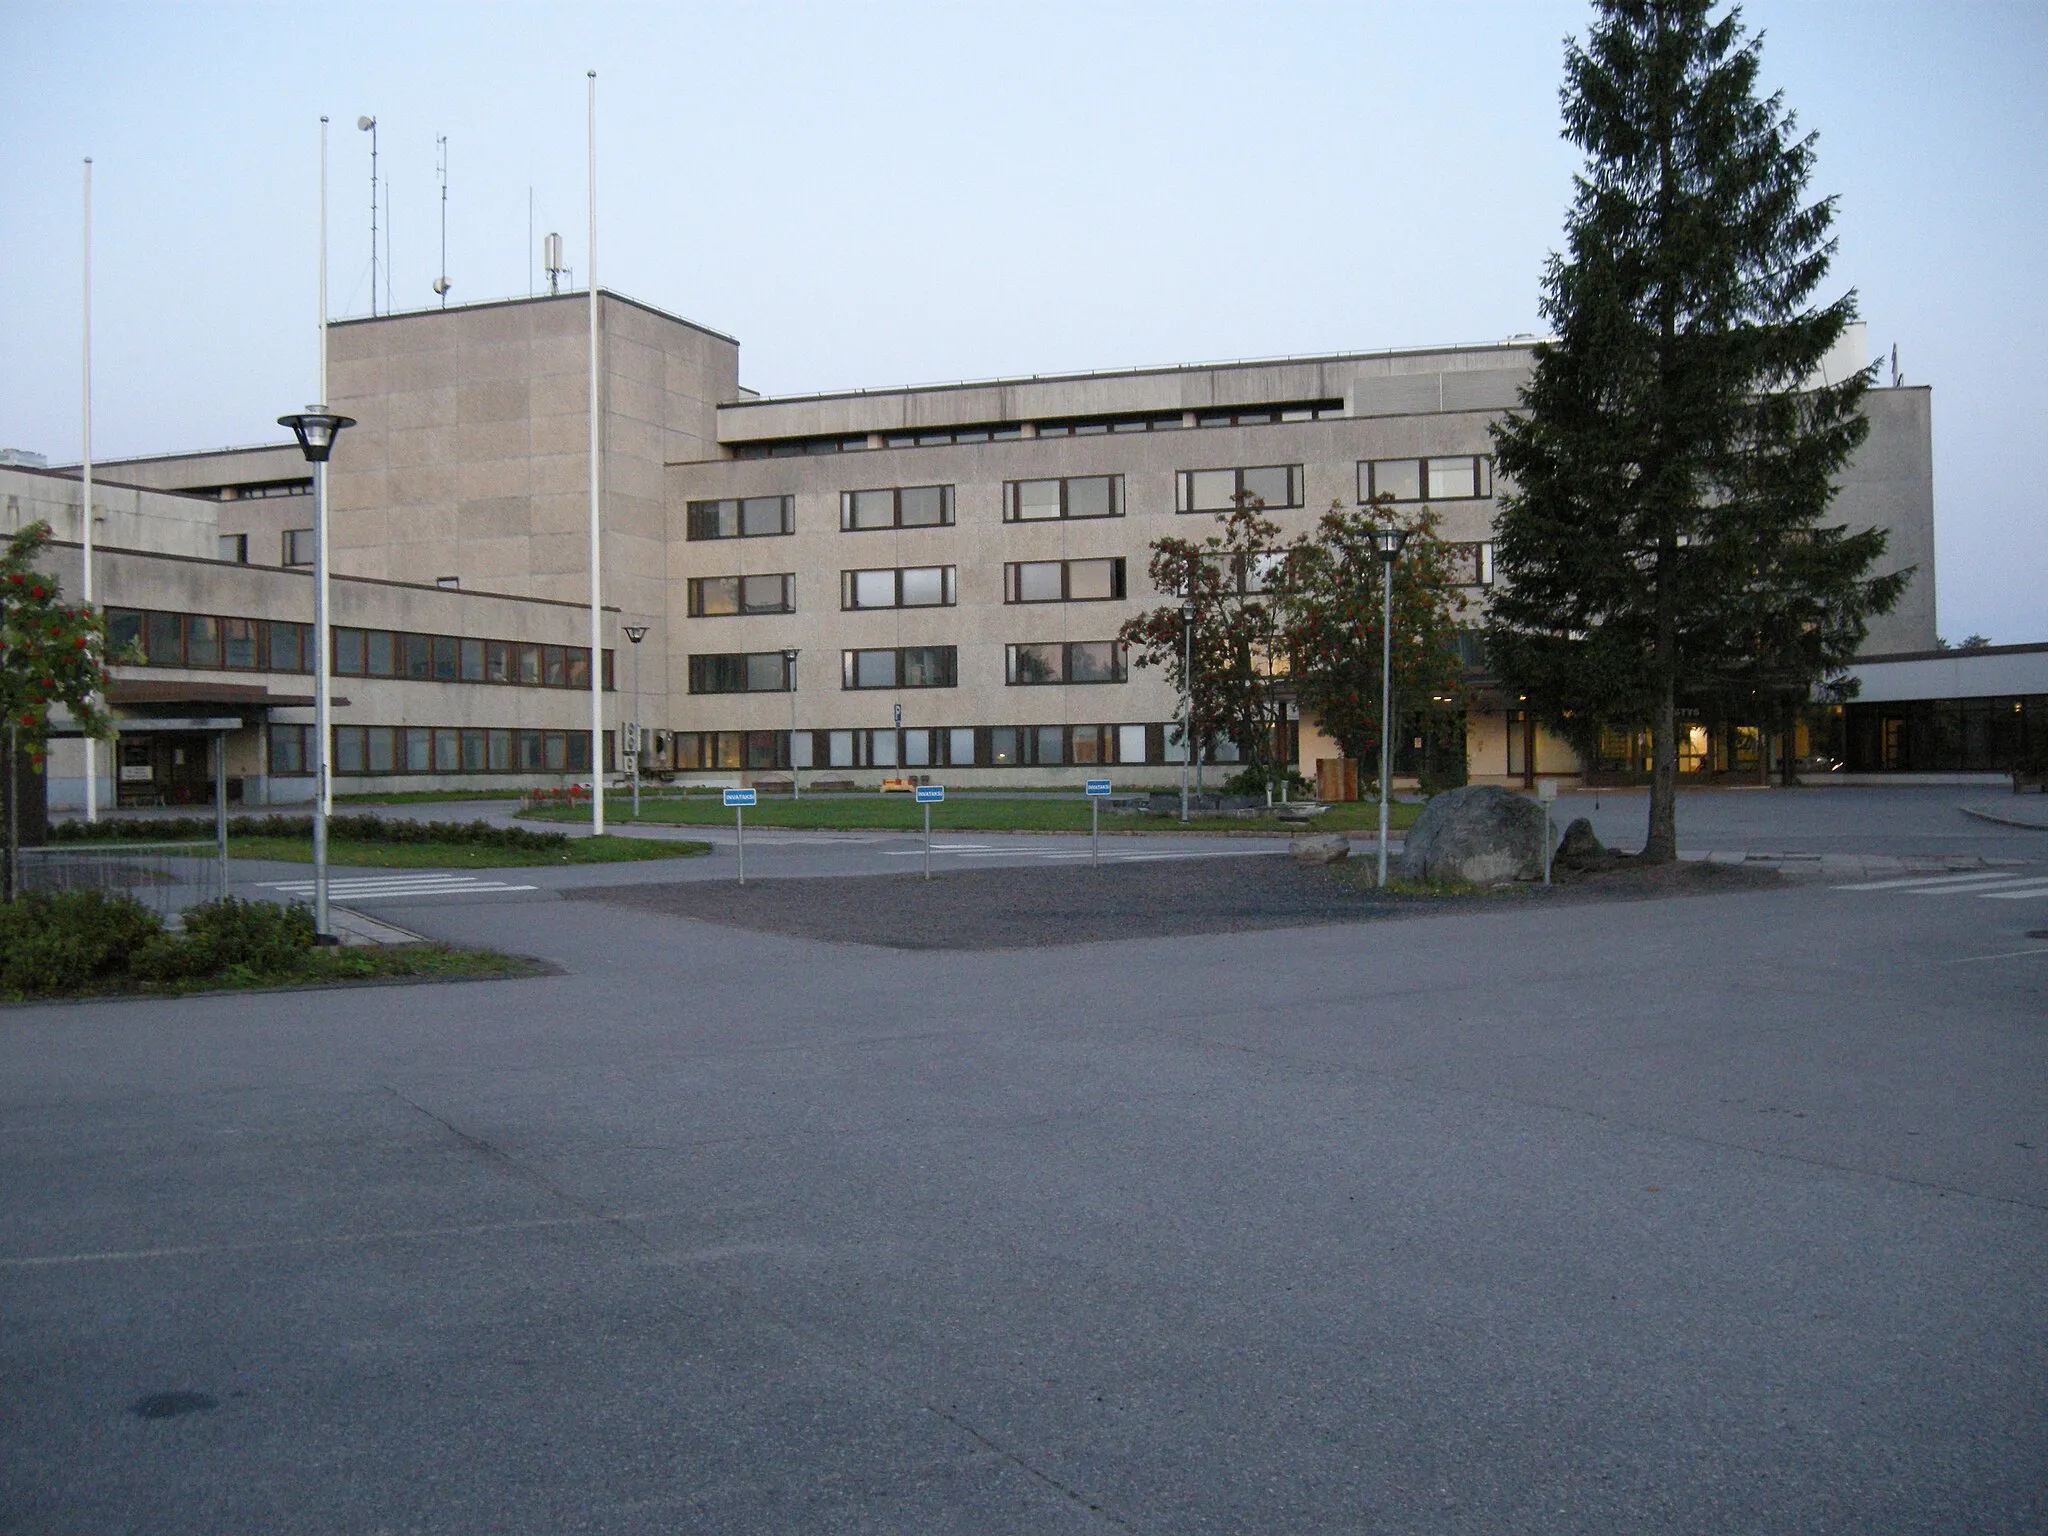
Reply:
x=1187 y=729
x=789 y=657
x=636 y=633
x=1386 y=542
x=316 y=429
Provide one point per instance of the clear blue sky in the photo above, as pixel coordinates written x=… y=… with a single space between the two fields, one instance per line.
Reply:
x=870 y=194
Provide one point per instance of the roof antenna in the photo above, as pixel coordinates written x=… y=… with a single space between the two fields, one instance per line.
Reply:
x=369 y=125
x=441 y=283
x=1896 y=380
x=551 y=258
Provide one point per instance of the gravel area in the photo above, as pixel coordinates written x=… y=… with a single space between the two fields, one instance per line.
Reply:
x=1038 y=906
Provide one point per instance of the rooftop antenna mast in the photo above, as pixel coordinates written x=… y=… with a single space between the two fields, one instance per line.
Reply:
x=441 y=283
x=551 y=258
x=369 y=125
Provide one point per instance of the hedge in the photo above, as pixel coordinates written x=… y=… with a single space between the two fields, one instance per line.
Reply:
x=346 y=829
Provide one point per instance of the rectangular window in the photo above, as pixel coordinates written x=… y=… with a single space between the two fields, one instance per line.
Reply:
x=497 y=662
x=163 y=640
x=382 y=753
x=348 y=652
x=1130 y=747
x=529 y=666
x=576 y=666
x=233 y=547
x=124 y=631
x=291 y=647
x=1030 y=501
x=447 y=664
x=910 y=666
x=554 y=667
x=1472 y=564
x=960 y=746
x=381 y=654
x=750 y=517
x=527 y=749
x=1218 y=490
x=416 y=657
x=291 y=749
x=202 y=641
x=419 y=749
x=721 y=596
x=555 y=746
x=1076 y=661
x=298 y=546
x=1460 y=478
x=475 y=751
x=912 y=586
x=912 y=506
x=238 y=647
x=740 y=672
x=1063 y=581
x=471 y=666
x=500 y=751
x=348 y=749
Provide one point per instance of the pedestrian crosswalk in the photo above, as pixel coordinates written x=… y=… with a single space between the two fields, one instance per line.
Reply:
x=1991 y=885
x=391 y=887
x=1072 y=851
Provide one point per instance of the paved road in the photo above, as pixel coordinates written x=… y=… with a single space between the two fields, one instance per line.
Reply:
x=1694 y=1215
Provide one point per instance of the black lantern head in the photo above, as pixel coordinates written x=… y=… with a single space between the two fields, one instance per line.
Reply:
x=316 y=431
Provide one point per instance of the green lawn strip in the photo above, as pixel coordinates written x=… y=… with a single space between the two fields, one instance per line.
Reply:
x=377 y=855
x=328 y=967
x=966 y=814
x=426 y=796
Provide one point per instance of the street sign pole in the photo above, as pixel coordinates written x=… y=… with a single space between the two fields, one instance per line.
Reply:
x=1096 y=789
x=739 y=800
x=1546 y=791
x=929 y=795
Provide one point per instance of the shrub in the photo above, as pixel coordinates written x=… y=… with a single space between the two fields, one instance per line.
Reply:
x=72 y=942
x=345 y=829
x=259 y=937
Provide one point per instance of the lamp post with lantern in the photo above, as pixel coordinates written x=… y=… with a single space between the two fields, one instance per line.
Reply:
x=1386 y=543
x=316 y=428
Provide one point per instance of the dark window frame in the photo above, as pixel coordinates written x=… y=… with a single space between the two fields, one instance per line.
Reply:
x=1013 y=500
x=895 y=494
x=1184 y=487
x=849 y=667
x=1119 y=583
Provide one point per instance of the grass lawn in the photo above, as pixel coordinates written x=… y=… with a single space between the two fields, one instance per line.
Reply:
x=426 y=796
x=582 y=850
x=898 y=813
x=338 y=966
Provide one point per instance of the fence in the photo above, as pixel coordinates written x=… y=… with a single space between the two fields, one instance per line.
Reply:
x=165 y=877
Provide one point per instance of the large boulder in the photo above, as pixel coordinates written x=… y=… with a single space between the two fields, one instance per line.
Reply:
x=1480 y=835
x=1581 y=847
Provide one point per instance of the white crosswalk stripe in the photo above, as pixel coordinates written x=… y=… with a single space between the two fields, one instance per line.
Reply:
x=372 y=887
x=1991 y=885
x=1929 y=881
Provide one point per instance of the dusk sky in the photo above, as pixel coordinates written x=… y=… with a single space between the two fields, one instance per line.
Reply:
x=869 y=194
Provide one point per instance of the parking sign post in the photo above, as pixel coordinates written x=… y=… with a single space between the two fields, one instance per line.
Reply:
x=1546 y=791
x=1097 y=788
x=929 y=795
x=739 y=800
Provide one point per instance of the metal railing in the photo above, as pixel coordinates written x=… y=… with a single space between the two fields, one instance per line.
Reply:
x=167 y=878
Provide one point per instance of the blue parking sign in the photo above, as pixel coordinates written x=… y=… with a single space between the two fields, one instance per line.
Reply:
x=1098 y=786
x=739 y=797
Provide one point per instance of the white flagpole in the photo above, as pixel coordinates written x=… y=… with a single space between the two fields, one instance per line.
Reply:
x=323 y=655
x=92 y=784
x=596 y=550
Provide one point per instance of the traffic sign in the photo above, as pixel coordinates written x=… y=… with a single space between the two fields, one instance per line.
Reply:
x=1098 y=786
x=930 y=794
x=739 y=797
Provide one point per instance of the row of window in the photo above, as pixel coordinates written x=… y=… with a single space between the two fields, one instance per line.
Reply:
x=1012 y=431
x=980 y=746
x=384 y=749
x=1026 y=581
x=914 y=666
x=205 y=642
x=1277 y=486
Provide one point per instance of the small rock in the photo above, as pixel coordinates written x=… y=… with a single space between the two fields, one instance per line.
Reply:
x=1331 y=849
x=1580 y=849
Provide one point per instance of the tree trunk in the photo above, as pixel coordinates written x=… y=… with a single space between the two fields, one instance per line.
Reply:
x=13 y=812
x=1661 y=846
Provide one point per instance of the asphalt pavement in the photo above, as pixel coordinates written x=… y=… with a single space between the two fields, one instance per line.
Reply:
x=1707 y=1214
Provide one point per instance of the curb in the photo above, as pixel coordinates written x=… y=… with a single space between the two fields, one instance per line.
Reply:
x=2002 y=820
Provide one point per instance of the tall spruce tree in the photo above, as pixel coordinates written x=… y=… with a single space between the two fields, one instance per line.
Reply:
x=1675 y=452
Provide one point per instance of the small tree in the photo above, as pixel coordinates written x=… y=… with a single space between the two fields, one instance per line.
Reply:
x=1240 y=677
x=49 y=654
x=1333 y=604
x=1672 y=458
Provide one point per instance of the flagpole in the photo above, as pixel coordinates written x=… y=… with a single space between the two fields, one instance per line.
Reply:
x=92 y=784
x=596 y=549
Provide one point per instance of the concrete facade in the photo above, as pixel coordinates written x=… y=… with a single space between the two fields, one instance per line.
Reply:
x=460 y=508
